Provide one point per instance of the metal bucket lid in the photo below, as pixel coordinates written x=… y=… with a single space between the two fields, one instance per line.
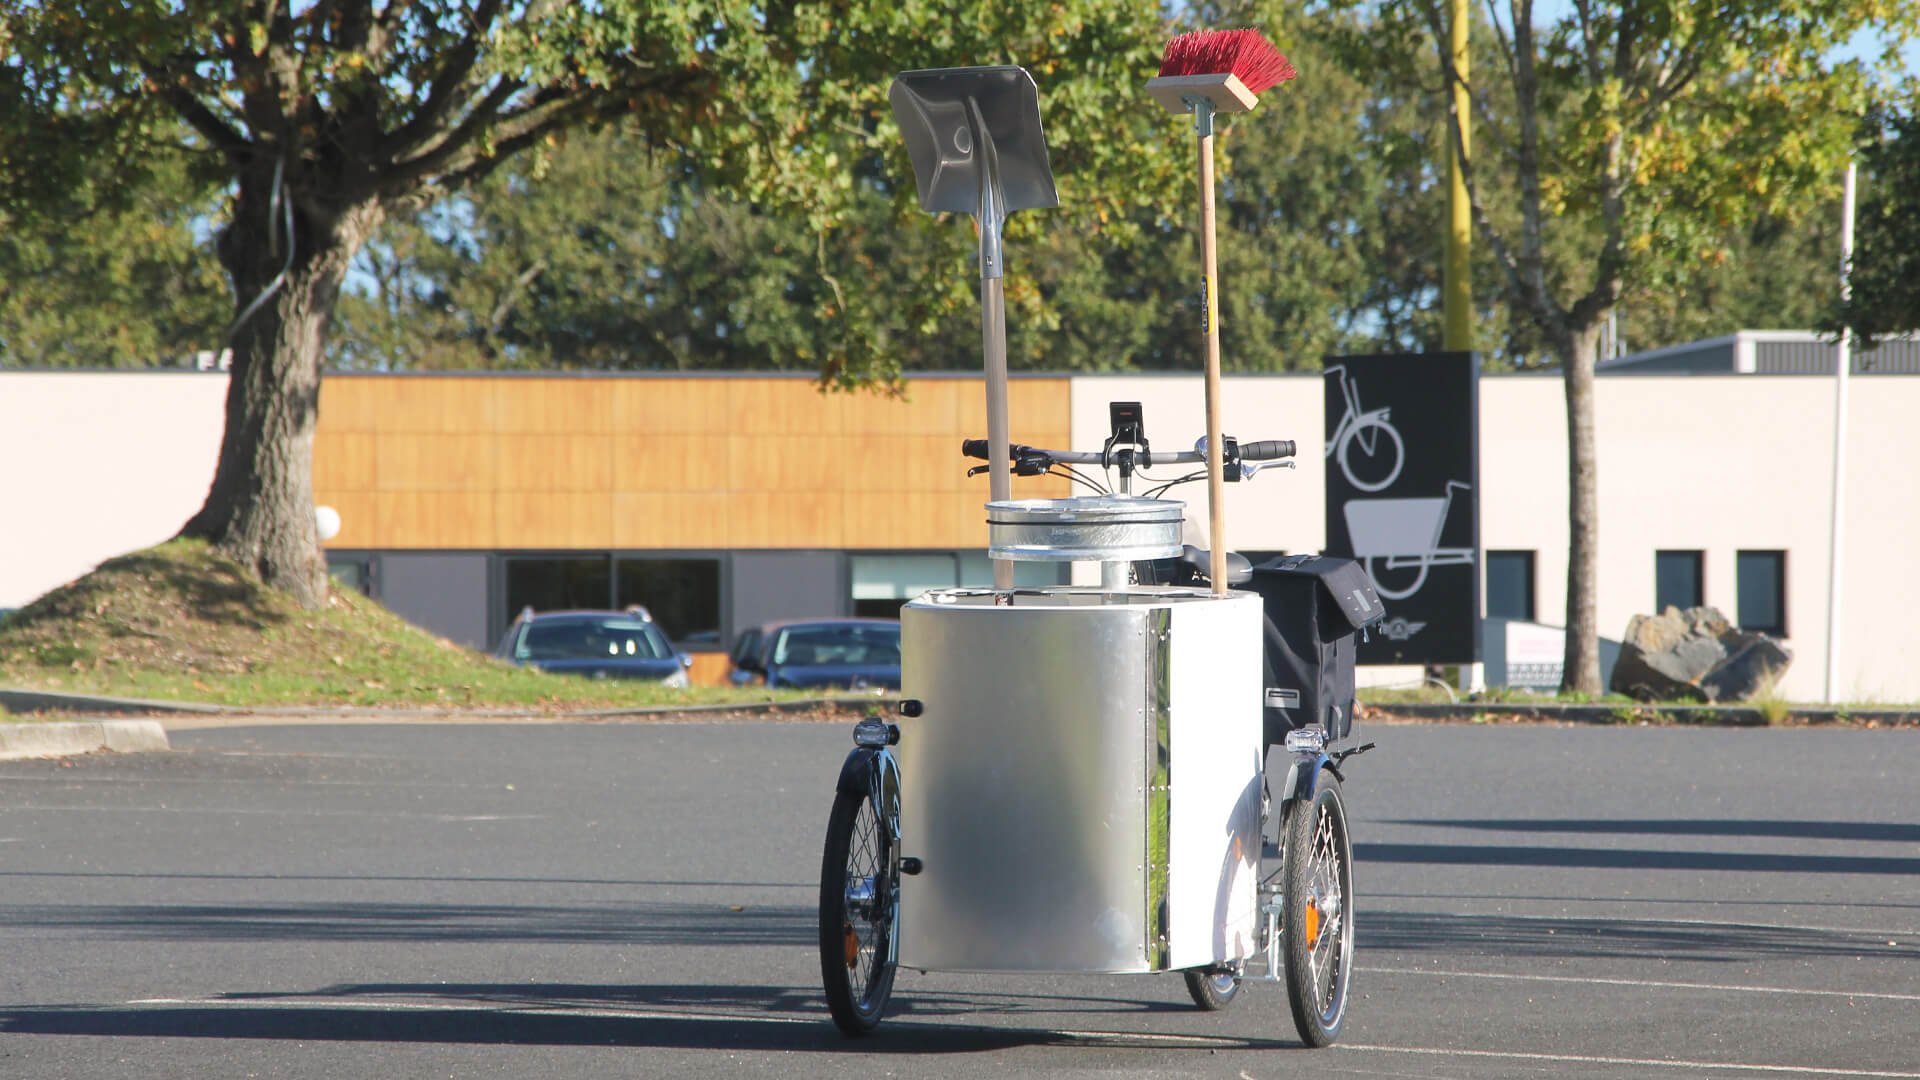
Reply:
x=1085 y=510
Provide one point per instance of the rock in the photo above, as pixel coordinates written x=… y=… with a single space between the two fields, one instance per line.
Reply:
x=1662 y=658
x=1749 y=672
x=1695 y=655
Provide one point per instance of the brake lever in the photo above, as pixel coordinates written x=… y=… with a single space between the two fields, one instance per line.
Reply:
x=1248 y=468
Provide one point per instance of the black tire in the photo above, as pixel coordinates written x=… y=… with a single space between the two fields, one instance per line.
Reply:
x=858 y=896
x=1212 y=990
x=1317 y=915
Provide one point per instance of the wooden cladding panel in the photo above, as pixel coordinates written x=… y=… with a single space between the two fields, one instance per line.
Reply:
x=431 y=519
x=557 y=406
x=344 y=461
x=792 y=407
x=670 y=519
x=1034 y=406
x=670 y=407
x=536 y=463
x=464 y=462
x=425 y=406
x=552 y=519
x=670 y=462
x=349 y=404
x=413 y=462
x=359 y=517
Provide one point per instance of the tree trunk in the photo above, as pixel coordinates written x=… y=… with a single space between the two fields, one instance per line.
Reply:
x=1581 y=671
x=259 y=510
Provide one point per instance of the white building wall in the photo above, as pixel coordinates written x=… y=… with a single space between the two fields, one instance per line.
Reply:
x=1714 y=464
x=97 y=464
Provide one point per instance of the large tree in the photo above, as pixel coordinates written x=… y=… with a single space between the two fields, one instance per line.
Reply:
x=1639 y=132
x=325 y=118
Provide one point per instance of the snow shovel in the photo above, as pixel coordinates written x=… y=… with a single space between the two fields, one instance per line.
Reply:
x=974 y=136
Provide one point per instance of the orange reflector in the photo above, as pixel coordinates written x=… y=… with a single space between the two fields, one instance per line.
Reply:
x=852 y=943
x=1313 y=922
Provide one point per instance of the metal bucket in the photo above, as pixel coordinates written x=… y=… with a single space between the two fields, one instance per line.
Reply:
x=1090 y=528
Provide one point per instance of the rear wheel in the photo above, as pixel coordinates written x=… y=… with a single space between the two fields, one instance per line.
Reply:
x=859 y=897
x=1317 y=915
x=1212 y=990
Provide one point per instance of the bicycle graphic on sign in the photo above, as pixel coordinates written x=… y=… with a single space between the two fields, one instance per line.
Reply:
x=1381 y=451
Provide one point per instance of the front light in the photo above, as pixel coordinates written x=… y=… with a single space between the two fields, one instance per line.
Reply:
x=677 y=680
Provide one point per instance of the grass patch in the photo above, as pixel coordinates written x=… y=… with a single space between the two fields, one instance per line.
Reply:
x=180 y=622
x=1493 y=695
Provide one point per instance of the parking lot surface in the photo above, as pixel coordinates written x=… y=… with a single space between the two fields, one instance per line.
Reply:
x=638 y=900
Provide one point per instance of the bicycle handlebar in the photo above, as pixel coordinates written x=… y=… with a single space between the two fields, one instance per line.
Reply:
x=1269 y=450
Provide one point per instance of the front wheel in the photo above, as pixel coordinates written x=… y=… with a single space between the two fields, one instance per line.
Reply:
x=1317 y=916
x=859 y=898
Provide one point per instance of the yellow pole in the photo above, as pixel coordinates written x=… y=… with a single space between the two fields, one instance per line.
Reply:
x=1457 y=285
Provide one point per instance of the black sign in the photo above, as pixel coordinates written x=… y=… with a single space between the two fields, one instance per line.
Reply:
x=1403 y=476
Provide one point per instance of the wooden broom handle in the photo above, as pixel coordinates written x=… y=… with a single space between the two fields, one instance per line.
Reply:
x=1210 y=318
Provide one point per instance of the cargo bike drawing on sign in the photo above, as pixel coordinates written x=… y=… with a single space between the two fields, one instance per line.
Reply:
x=1079 y=777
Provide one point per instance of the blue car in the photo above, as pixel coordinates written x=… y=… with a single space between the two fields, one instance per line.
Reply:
x=599 y=644
x=847 y=654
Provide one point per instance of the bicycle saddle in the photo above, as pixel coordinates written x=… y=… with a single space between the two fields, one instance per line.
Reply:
x=1239 y=567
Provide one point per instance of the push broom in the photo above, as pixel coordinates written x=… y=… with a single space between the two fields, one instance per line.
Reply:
x=1207 y=72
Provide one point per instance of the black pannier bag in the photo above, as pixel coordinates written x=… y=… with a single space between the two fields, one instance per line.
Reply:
x=1315 y=606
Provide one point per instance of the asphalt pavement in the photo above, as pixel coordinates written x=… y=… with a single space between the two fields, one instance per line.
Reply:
x=587 y=900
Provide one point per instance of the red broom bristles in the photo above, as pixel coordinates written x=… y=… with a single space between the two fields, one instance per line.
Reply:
x=1245 y=53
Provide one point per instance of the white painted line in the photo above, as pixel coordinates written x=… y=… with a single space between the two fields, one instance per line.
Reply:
x=1650 y=920
x=248 y=812
x=1649 y=983
x=475 y=1006
x=71 y=780
x=1649 y=1063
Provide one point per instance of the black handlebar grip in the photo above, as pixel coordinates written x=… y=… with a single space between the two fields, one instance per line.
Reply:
x=976 y=448
x=1270 y=450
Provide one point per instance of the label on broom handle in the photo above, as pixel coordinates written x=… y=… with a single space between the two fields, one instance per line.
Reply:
x=1209 y=316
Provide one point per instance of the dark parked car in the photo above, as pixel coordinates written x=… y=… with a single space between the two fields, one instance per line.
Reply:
x=602 y=644
x=856 y=654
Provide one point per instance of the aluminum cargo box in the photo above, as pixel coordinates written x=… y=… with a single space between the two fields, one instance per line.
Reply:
x=1083 y=786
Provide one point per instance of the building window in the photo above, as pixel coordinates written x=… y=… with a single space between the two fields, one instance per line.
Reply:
x=682 y=595
x=976 y=571
x=558 y=582
x=1676 y=580
x=1510 y=585
x=351 y=572
x=1760 y=579
x=881 y=583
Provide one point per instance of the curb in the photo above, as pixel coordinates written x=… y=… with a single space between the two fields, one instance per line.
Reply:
x=68 y=738
x=1692 y=715
x=31 y=701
